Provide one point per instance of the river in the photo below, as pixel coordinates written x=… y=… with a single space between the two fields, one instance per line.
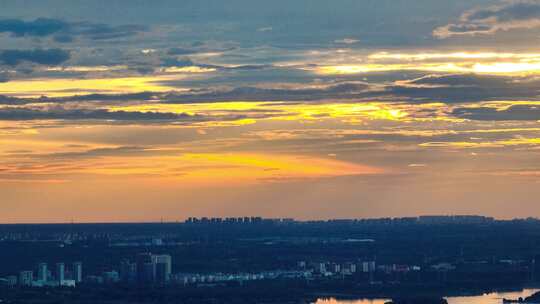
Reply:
x=491 y=298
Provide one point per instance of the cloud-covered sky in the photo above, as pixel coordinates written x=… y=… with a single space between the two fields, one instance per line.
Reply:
x=137 y=111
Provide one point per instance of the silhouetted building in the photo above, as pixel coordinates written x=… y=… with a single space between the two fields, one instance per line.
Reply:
x=456 y=219
x=11 y=281
x=60 y=272
x=322 y=268
x=42 y=274
x=163 y=264
x=161 y=273
x=26 y=278
x=146 y=269
x=148 y=273
x=77 y=272
x=128 y=271
x=369 y=266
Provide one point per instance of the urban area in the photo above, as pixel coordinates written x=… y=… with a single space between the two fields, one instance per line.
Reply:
x=203 y=256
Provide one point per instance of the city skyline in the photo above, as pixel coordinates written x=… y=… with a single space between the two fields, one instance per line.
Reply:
x=126 y=111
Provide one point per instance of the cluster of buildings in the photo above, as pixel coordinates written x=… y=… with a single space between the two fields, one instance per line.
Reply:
x=71 y=233
x=304 y=270
x=237 y=220
x=328 y=269
x=147 y=269
x=156 y=269
x=426 y=220
x=420 y=220
x=45 y=277
x=333 y=269
x=217 y=278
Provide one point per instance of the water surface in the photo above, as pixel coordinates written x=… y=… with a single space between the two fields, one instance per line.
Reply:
x=491 y=298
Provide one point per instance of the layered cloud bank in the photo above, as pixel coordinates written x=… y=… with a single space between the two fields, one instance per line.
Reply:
x=508 y=15
x=274 y=110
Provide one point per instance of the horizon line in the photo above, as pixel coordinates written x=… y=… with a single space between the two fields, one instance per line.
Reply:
x=185 y=220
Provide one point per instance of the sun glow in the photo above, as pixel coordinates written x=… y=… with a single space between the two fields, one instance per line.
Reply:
x=455 y=55
x=284 y=111
x=458 y=62
x=68 y=86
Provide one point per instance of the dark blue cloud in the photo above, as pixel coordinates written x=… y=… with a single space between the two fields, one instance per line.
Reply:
x=63 y=114
x=508 y=15
x=66 y=31
x=101 y=115
x=181 y=51
x=342 y=90
x=514 y=112
x=39 y=28
x=174 y=62
x=104 y=31
x=509 y=11
x=64 y=38
x=450 y=89
x=37 y=56
x=465 y=88
x=467 y=80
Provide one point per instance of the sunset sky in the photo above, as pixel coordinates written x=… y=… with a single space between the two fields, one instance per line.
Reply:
x=146 y=110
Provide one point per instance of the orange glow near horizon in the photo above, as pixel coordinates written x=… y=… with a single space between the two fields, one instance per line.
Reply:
x=200 y=168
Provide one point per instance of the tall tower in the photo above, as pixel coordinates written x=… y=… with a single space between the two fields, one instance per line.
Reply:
x=60 y=272
x=77 y=272
x=163 y=267
x=42 y=272
x=146 y=269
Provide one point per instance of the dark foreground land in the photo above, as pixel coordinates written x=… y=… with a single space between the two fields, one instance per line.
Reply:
x=277 y=261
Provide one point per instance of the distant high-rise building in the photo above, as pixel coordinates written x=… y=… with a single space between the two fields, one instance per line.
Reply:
x=369 y=266
x=42 y=272
x=26 y=278
x=128 y=271
x=77 y=272
x=161 y=273
x=322 y=267
x=163 y=264
x=372 y=266
x=365 y=267
x=60 y=272
x=336 y=268
x=145 y=268
x=11 y=281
